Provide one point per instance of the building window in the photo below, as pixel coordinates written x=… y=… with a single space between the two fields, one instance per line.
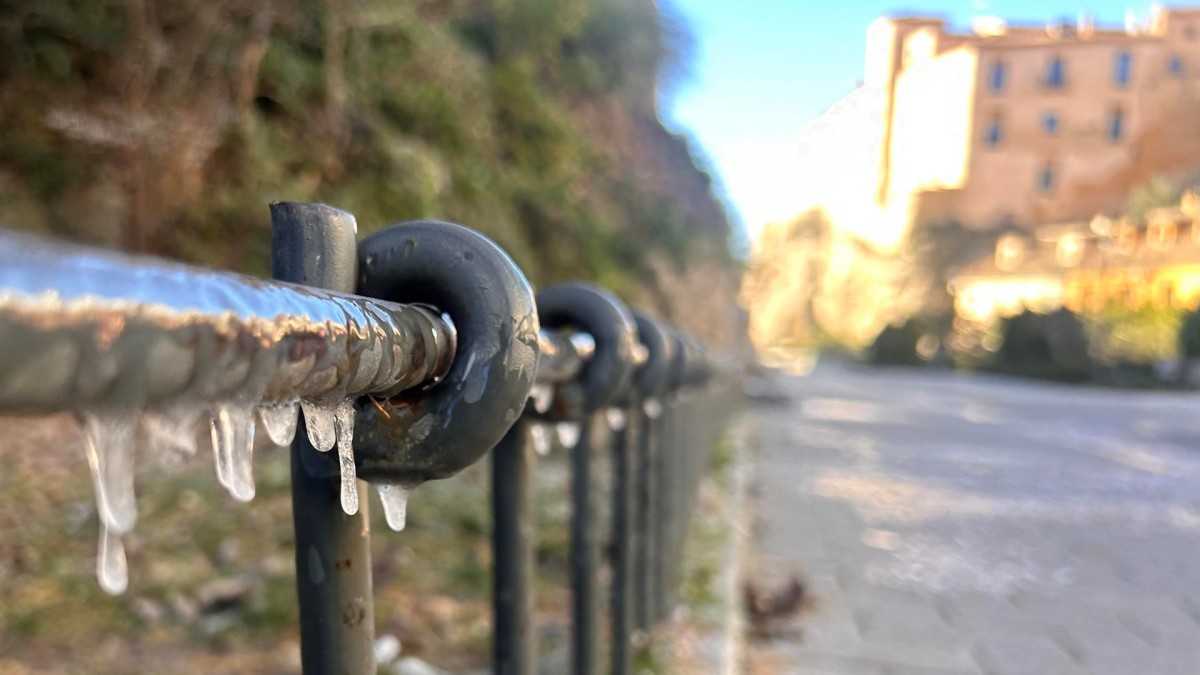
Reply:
x=1127 y=238
x=1122 y=66
x=995 y=132
x=1050 y=123
x=1046 y=179
x=1161 y=235
x=1056 y=73
x=1175 y=66
x=998 y=77
x=1116 y=124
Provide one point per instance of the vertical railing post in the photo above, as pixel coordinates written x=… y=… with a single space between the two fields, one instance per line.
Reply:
x=603 y=382
x=585 y=555
x=648 y=532
x=513 y=546
x=664 y=461
x=680 y=433
x=314 y=244
x=622 y=560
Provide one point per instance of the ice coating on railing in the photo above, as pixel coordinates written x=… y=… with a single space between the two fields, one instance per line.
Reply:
x=395 y=504
x=615 y=418
x=653 y=408
x=108 y=442
x=542 y=396
x=172 y=429
x=86 y=330
x=540 y=438
x=343 y=417
x=568 y=434
x=320 y=423
x=111 y=569
x=145 y=350
x=280 y=419
x=232 y=428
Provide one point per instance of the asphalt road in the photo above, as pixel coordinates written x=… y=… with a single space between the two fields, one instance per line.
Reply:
x=965 y=524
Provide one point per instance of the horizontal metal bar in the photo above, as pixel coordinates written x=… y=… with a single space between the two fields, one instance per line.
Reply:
x=82 y=328
x=562 y=355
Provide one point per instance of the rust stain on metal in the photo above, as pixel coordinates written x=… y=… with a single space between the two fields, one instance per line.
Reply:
x=380 y=408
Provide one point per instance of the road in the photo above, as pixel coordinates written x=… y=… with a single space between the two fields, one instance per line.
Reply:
x=962 y=524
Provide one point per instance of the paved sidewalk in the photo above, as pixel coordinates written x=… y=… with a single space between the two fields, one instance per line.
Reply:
x=961 y=524
x=707 y=636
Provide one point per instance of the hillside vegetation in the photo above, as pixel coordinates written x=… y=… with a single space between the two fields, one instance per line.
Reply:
x=166 y=126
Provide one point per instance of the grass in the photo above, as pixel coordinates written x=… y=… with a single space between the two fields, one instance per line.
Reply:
x=432 y=581
x=433 y=586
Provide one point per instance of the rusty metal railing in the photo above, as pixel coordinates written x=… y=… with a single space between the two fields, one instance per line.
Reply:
x=413 y=353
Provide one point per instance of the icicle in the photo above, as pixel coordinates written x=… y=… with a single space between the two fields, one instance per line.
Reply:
x=344 y=421
x=279 y=419
x=233 y=448
x=318 y=418
x=172 y=429
x=395 y=504
x=111 y=569
x=108 y=441
x=653 y=408
x=540 y=438
x=568 y=433
x=542 y=396
x=616 y=418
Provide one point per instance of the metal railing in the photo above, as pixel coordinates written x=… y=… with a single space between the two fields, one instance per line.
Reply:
x=413 y=352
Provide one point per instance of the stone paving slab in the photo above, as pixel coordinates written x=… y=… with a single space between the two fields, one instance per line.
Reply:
x=953 y=525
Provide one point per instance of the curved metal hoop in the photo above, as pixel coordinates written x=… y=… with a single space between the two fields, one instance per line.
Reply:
x=651 y=379
x=594 y=310
x=435 y=433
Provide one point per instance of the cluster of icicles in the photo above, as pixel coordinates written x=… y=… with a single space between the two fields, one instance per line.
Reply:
x=568 y=433
x=109 y=440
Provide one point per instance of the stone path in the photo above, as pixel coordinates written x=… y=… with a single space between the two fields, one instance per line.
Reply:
x=953 y=524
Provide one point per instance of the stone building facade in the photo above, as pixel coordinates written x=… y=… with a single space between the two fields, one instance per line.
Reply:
x=1008 y=124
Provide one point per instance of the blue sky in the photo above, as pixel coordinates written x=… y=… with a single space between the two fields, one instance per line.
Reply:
x=763 y=68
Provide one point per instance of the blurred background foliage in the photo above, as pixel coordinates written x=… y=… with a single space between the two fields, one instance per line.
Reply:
x=164 y=126
x=814 y=289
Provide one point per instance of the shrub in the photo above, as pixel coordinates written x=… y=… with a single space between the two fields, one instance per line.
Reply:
x=1189 y=336
x=896 y=345
x=1052 y=346
x=1144 y=335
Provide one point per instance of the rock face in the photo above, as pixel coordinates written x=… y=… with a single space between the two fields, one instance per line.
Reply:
x=167 y=131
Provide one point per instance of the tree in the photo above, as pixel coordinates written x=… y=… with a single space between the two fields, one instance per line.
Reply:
x=1158 y=192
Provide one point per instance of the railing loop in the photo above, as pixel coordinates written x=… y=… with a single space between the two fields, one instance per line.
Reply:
x=607 y=374
x=407 y=439
x=651 y=378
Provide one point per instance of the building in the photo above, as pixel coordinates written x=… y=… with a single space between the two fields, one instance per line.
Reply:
x=1088 y=266
x=1007 y=124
